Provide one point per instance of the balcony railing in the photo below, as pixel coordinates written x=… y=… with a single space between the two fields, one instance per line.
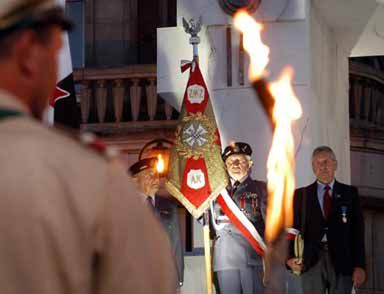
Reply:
x=122 y=98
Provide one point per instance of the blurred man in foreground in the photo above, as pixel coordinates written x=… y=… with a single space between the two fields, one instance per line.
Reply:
x=67 y=225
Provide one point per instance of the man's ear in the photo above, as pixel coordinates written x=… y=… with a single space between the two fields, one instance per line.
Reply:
x=29 y=52
x=250 y=163
x=134 y=179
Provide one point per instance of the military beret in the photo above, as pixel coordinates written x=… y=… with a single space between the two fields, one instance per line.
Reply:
x=23 y=14
x=236 y=148
x=142 y=165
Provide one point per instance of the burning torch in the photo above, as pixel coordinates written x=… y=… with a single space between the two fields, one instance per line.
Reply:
x=282 y=108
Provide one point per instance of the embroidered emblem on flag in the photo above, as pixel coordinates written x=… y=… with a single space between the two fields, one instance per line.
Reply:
x=196 y=94
x=196 y=170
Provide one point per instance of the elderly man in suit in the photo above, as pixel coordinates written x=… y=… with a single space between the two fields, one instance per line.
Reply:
x=238 y=267
x=146 y=177
x=328 y=215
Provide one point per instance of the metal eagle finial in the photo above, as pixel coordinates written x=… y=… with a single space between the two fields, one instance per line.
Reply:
x=193 y=27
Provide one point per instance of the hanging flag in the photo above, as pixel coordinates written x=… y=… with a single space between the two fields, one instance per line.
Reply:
x=197 y=174
x=196 y=170
x=62 y=105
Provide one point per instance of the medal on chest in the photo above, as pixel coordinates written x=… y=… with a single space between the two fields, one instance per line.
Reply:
x=344 y=210
x=242 y=202
x=248 y=202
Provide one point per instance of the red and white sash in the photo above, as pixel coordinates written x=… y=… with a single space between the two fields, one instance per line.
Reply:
x=241 y=222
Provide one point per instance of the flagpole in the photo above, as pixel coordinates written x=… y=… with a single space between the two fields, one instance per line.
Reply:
x=193 y=27
x=207 y=254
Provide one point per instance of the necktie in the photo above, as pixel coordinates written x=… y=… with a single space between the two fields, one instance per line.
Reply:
x=234 y=187
x=326 y=202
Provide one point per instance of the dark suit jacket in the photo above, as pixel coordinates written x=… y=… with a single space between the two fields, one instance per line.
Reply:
x=345 y=227
x=166 y=210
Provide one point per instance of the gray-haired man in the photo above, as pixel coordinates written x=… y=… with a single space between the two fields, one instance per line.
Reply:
x=328 y=215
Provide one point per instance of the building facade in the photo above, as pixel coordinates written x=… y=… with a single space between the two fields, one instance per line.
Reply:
x=126 y=55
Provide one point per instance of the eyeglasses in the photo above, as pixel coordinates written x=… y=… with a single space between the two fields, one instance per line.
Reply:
x=236 y=162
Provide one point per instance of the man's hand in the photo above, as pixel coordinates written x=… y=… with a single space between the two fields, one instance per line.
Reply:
x=294 y=264
x=358 y=276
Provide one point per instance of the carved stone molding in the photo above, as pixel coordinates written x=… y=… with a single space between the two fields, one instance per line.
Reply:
x=231 y=6
x=132 y=88
x=151 y=99
x=135 y=96
x=118 y=92
x=85 y=101
x=101 y=99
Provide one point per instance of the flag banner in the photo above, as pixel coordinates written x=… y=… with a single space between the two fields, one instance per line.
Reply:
x=241 y=222
x=62 y=105
x=196 y=170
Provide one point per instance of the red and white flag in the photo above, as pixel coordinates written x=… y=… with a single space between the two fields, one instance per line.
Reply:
x=196 y=171
x=197 y=174
x=62 y=107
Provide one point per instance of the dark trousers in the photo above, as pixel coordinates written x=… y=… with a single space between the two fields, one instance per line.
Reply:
x=322 y=279
x=242 y=281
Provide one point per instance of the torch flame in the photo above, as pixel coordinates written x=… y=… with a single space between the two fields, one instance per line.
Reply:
x=160 y=164
x=281 y=163
x=252 y=43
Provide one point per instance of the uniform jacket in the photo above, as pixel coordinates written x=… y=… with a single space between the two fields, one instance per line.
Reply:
x=71 y=220
x=231 y=249
x=345 y=227
x=166 y=209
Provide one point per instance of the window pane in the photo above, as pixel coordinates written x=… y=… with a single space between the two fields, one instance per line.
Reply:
x=75 y=11
x=123 y=32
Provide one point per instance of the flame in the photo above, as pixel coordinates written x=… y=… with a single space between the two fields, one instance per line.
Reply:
x=281 y=159
x=253 y=44
x=160 y=164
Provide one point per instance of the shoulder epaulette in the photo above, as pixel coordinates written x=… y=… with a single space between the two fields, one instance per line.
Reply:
x=94 y=143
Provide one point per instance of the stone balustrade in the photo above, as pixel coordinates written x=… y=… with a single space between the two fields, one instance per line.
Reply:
x=120 y=96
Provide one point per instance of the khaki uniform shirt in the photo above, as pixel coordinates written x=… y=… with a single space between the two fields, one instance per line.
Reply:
x=70 y=220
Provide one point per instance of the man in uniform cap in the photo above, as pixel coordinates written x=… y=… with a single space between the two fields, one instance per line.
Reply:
x=238 y=266
x=145 y=175
x=67 y=225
